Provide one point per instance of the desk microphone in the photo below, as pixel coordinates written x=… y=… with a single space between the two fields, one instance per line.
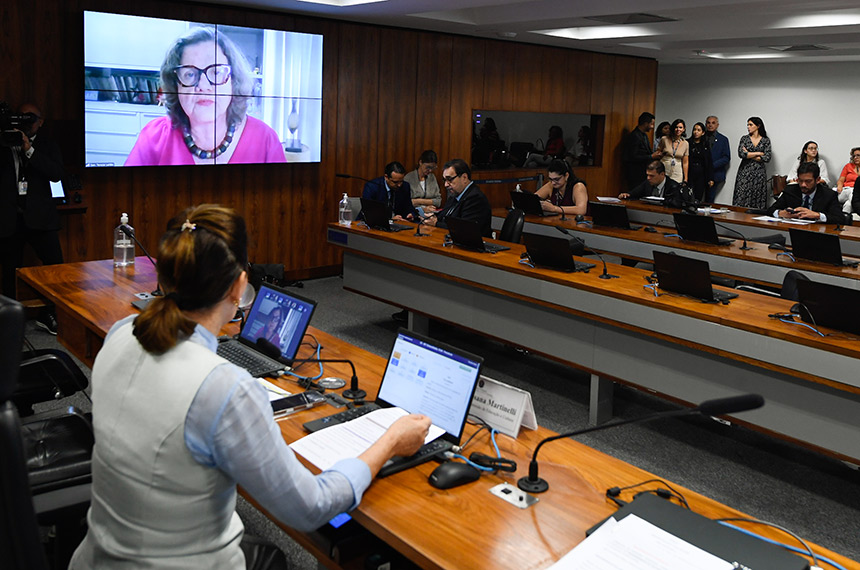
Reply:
x=743 y=237
x=127 y=230
x=354 y=392
x=605 y=274
x=342 y=175
x=534 y=484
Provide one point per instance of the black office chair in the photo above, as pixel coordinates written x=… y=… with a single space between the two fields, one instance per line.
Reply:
x=20 y=543
x=788 y=290
x=512 y=229
x=46 y=374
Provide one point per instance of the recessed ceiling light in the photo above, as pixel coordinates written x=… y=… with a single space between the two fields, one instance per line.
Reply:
x=832 y=19
x=741 y=55
x=341 y=3
x=599 y=32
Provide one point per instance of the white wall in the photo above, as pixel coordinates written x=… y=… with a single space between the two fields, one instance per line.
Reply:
x=797 y=102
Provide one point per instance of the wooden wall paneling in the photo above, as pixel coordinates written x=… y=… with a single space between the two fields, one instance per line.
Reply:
x=602 y=90
x=398 y=74
x=13 y=59
x=468 y=84
x=358 y=103
x=580 y=79
x=436 y=74
x=527 y=83
x=499 y=78
x=622 y=119
x=645 y=97
x=555 y=83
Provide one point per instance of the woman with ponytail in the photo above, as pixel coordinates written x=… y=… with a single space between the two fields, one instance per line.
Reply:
x=177 y=427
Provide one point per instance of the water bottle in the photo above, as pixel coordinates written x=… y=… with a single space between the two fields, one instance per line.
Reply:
x=519 y=188
x=123 y=246
x=345 y=212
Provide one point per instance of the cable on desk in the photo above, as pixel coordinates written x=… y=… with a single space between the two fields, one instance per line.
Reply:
x=787 y=254
x=308 y=381
x=809 y=552
x=613 y=492
x=653 y=288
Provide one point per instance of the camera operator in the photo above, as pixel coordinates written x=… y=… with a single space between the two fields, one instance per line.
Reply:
x=27 y=211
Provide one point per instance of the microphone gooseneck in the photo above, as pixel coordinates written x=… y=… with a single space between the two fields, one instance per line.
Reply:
x=743 y=237
x=354 y=392
x=342 y=175
x=605 y=274
x=126 y=229
x=720 y=406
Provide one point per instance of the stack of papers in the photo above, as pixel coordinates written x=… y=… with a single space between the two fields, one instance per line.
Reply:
x=608 y=199
x=784 y=220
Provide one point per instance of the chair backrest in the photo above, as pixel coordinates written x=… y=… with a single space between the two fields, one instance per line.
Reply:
x=512 y=229
x=789 y=285
x=20 y=544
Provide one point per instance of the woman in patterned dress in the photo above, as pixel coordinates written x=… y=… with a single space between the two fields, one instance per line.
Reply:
x=754 y=151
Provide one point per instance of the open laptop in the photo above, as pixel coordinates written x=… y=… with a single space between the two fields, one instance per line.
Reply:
x=687 y=276
x=58 y=193
x=529 y=203
x=467 y=234
x=823 y=304
x=699 y=228
x=553 y=253
x=263 y=352
x=610 y=215
x=377 y=215
x=423 y=376
x=815 y=246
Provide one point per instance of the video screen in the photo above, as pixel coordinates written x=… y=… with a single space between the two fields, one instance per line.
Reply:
x=168 y=92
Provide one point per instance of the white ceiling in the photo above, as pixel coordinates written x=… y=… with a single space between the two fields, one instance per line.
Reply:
x=705 y=31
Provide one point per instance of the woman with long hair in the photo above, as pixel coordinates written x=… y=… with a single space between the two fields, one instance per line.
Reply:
x=701 y=171
x=661 y=131
x=177 y=427
x=564 y=193
x=809 y=154
x=423 y=183
x=754 y=151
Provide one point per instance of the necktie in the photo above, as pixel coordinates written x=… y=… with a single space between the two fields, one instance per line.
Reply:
x=655 y=191
x=806 y=201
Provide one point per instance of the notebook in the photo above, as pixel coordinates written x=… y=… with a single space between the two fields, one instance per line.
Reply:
x=815 y=246
x=687 y=276
x=610 y=215
x=263 y=350
x=423 y=376
x=823 y=304
x=467 y=234
x=377 y=215
x=699 y=228
x=552 y=252
x=529 y=203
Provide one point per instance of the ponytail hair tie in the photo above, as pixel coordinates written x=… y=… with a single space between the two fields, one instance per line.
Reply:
x=173 y=296
x=187 y=225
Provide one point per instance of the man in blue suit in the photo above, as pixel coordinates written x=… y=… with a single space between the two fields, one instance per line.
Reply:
x=720 y=153
x=392 y=190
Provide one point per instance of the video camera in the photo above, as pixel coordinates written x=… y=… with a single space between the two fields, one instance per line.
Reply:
x=10 y=121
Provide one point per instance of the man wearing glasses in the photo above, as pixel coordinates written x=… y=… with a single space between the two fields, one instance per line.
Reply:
x=465 y=199
x=392 y=190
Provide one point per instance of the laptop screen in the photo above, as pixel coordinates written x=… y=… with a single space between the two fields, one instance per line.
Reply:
x=824 y=304
x=683 y=275
x=279 y=317
x=424 y=376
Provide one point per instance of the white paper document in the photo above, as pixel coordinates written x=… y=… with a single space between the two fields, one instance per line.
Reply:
x=784 y=220
x=326 y=447
x=274 y=392
x=635 y=544
x=609 y=199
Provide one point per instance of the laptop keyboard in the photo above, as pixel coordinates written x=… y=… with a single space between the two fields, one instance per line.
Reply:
x=426 y=452
x=256 y=364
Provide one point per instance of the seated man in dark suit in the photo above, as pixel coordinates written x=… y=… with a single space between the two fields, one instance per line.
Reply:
x=465 y=200
x=808 y=200
x=392 y=190
x=657 y=184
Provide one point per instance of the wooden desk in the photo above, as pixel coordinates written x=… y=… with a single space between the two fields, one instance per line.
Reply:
x=759 y=264
x=739 y=220
x=465 y=527
x=618 y=331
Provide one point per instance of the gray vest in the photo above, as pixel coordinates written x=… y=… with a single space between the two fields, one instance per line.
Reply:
x=153 y=506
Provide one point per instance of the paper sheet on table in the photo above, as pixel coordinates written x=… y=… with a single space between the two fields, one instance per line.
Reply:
x=326 y=447
x=784 y=220
x=635 y=544
x=274 y=392
x=609 y=199
x=708 y=210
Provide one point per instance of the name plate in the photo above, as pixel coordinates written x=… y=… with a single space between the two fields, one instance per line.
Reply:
x=504 y=407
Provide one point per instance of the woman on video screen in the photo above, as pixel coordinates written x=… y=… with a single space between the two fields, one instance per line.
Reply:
x=270 y=329
x=206 y=82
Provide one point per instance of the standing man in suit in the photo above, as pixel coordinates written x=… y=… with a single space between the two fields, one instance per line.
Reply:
x=391 y=189
x=807 y=199
x=719 y=153
x=657 y=184
x=465 y=200
x=27 y=210
x=637 y=151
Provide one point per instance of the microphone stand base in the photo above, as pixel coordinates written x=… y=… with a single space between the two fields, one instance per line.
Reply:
x=608 y=276
x=354 y=394
x=536 y=486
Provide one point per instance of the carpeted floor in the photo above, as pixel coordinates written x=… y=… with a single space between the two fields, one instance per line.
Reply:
x=814 y=496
